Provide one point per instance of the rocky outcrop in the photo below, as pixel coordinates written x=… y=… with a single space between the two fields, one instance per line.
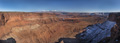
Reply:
x=96 y=33
x=92 y=34
x=115 y=31
x=2 y=19
x=9 y=40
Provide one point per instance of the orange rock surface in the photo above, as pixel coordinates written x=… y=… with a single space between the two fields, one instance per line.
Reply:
x=41 y=27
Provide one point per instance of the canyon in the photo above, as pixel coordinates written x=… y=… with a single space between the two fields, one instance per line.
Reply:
x=106 y=32
x=51 y=27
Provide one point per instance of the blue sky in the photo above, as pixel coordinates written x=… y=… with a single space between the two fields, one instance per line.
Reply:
x=61 y=5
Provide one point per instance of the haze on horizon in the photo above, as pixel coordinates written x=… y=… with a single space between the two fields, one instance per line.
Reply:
x=60 y=5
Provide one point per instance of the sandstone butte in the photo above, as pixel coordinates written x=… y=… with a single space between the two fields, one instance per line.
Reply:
x=42 y=27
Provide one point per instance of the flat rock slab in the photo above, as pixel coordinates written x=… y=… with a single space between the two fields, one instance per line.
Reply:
x=97 y=32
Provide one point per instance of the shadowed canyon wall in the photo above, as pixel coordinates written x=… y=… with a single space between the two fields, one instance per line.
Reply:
x=115 y=31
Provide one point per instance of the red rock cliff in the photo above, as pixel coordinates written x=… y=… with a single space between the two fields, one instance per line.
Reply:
x=41 y=27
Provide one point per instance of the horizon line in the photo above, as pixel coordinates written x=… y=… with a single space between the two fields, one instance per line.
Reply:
x=68 y=11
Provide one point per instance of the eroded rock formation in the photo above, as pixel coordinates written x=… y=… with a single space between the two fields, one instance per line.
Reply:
x=97 y=32
x=9 y=40
x=115 y=31
x=42 y=27
x=2 y=19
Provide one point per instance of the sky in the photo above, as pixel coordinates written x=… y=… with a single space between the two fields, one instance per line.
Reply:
x=60 y=5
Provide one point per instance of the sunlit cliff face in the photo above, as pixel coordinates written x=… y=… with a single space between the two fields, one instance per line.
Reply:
x=43 y=27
